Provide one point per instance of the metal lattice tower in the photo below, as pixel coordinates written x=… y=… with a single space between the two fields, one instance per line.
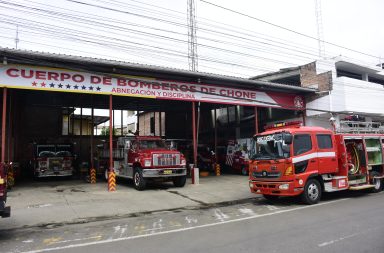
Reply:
x=17 y=37
x=319 y=23
x=192 y=39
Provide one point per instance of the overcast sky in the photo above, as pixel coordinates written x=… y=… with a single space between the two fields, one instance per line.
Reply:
x=155 y=32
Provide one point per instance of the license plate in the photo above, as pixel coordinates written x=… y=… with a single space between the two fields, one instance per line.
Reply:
x=55 y=168
x=167 y=172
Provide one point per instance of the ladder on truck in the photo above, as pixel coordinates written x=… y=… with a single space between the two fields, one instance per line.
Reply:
x=360 y=127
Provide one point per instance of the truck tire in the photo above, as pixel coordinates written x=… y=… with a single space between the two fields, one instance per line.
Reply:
x=378 y=182
x=312 y=192
x=179 y=181
x=138 y=181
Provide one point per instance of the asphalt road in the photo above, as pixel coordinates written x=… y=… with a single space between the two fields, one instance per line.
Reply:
x=348 y=222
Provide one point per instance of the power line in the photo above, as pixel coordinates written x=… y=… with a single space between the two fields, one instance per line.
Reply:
x=287 y=29
x=273 y=50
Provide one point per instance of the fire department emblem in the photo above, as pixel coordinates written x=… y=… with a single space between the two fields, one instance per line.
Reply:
x=298 y=102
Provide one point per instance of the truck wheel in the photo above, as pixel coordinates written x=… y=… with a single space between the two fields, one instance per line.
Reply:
x=244 y=171
x=312 y=192
x=377 y=182
x=179 y=181
x=138 y=181
x=270 y=197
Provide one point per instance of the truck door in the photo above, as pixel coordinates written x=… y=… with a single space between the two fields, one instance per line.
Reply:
x=304 y=154
x=125 y=151
x=326 y=153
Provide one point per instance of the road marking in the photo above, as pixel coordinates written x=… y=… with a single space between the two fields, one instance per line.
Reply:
x=190 y=220
x=181 y=229
x=117 y=228
x=51 y=240
x=345 y=237
x=337 y=240
x=78 y=239
x=272 y=208
x=157 y=225
x=220 y=215
x=123 y=230
x=246 y=211
x=39 y=206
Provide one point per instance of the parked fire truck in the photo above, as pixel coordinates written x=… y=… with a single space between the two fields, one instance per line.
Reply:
x=291 y=160
x=237 y=157
x=144 y=158
x=5 y=211
x=53 y=160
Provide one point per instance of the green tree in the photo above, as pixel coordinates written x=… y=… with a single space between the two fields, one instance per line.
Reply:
x=105 y=131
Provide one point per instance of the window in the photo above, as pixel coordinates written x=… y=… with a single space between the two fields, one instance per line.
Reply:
x=301 y=143
x=152 y=125
x=345 y=73
x=324 y=141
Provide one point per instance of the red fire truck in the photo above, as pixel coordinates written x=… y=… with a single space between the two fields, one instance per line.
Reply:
x=292 y=160
x=237 y=157
x=144 y=158
x=5 y=211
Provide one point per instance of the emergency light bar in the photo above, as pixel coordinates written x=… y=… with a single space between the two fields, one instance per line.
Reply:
x=283 y=125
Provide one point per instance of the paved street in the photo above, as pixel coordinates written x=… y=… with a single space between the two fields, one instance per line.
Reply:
x=343 y=222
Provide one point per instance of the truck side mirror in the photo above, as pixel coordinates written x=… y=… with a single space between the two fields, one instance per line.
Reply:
x=287 y=138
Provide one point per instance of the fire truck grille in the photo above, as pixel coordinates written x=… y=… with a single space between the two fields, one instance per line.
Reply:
x=265 y=174
x=55 y=163
x=166 y=159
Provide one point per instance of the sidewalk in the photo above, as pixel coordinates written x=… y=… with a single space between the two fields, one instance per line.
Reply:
x=63 y=202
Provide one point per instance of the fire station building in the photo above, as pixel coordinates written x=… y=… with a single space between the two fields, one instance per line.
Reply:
x=52 y=98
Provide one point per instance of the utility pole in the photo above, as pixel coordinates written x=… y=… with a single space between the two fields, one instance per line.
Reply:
x=17 y=36
x=319 y=23
x=192 y=39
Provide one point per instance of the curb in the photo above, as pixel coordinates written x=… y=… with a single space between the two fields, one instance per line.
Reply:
x=201 y=206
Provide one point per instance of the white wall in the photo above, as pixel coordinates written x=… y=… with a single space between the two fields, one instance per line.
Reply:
x=361 y=96
x=318 y=121
x=347 y=95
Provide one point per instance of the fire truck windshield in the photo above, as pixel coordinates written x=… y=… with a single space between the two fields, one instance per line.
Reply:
x=152 y=144
x=271 y=146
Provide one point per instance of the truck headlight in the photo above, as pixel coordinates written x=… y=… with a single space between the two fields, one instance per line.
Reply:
x=147 y=163
x=284 y=186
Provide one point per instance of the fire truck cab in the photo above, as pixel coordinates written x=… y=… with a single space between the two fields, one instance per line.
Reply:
x=292 y=160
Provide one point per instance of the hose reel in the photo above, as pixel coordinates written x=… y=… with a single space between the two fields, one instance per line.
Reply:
x=353 y=160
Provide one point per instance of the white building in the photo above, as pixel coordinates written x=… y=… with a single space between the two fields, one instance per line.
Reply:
x=346 y=87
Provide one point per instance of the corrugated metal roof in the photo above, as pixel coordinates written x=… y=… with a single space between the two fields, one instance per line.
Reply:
x=35 y=56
